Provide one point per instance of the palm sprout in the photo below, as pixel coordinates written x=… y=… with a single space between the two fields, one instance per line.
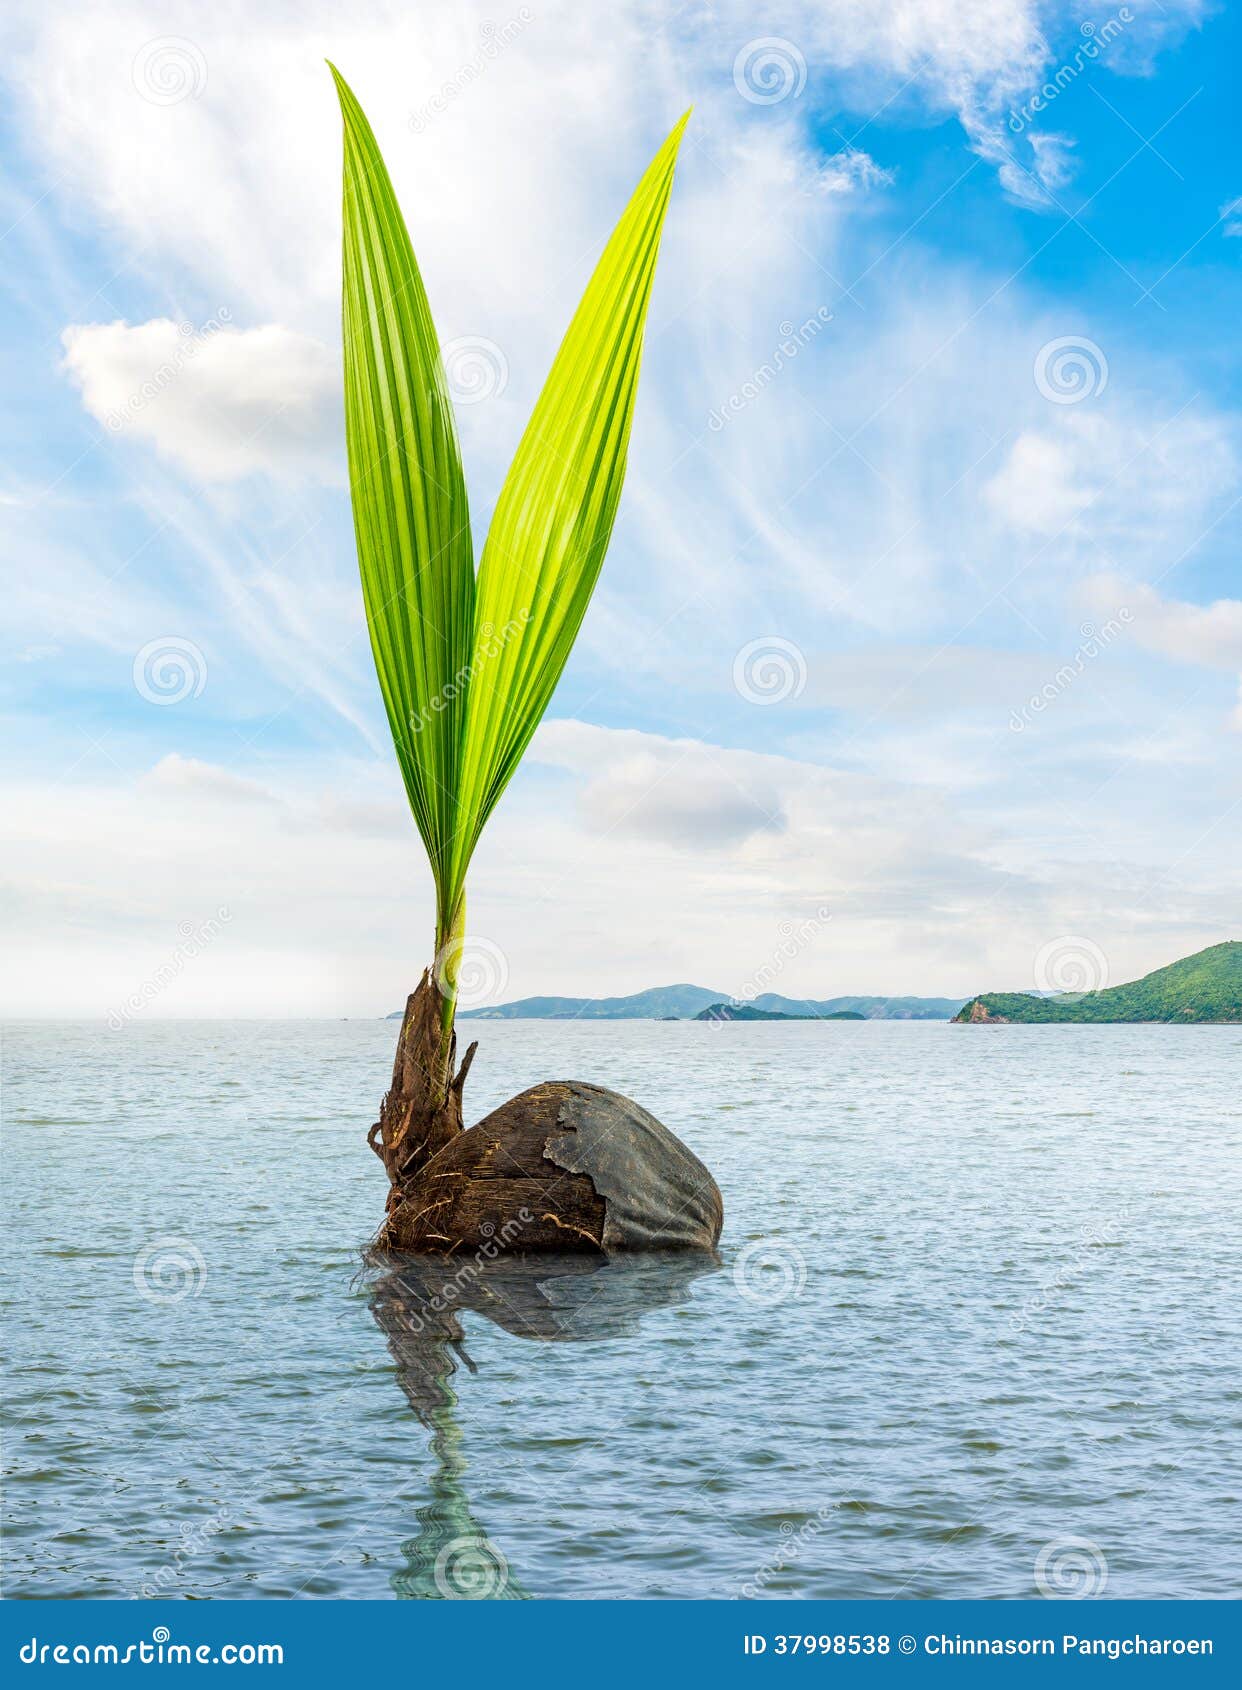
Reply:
x=467 y=666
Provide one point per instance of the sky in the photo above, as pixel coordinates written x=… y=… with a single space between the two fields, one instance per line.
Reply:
x=915 y=662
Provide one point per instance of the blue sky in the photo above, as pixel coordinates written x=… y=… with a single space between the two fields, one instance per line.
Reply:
x=922 y=608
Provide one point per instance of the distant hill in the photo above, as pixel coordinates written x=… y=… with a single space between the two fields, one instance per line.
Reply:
x=679 y=1002
x=870 y=1009
x=1203 y=987
x=748 y=1012
x=683 y=1003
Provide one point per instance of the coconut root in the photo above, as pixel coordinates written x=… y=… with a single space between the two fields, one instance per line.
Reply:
x=422 y=1109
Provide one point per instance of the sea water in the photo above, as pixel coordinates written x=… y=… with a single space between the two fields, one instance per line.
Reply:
x=974 y=1330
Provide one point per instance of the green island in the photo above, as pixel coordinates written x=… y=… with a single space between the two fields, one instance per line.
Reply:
x=748 y=1012
x=1203 y=987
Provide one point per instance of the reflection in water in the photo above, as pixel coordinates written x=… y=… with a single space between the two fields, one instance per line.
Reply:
x=568 y=1299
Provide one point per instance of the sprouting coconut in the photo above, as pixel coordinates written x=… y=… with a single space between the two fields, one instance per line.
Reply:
x=467 y=667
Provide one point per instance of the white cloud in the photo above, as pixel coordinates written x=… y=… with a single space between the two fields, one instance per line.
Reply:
x=1158 y=26
x=1122 y=476
x=1210 y=634
x=974 y=58
x=922 y=682
x=925 y=892
x=851 y=171
x=981 y=60
x=902 y=481
x=193 y=778
x=221 y=402
x=683 y=792
x=1053 y=164
x=1205 y=634
x=236 y=185
x=1038 y=489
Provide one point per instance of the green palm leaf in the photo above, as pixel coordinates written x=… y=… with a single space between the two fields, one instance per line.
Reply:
x=409 y=494
x=555 y=513
x=466 y=673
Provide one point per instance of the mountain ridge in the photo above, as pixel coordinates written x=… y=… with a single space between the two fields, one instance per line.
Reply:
x=1203 y=987
x=684 y=1001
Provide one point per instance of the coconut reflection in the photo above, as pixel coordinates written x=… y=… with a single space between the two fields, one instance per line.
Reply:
x=418 y=1303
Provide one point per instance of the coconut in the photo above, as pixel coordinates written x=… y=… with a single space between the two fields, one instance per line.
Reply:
x=564 y=1166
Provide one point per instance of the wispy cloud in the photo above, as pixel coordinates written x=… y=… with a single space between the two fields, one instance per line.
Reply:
x=905 y=501
x=222 y=403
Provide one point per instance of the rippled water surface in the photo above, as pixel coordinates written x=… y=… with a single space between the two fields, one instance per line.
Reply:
x=977 y=1310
